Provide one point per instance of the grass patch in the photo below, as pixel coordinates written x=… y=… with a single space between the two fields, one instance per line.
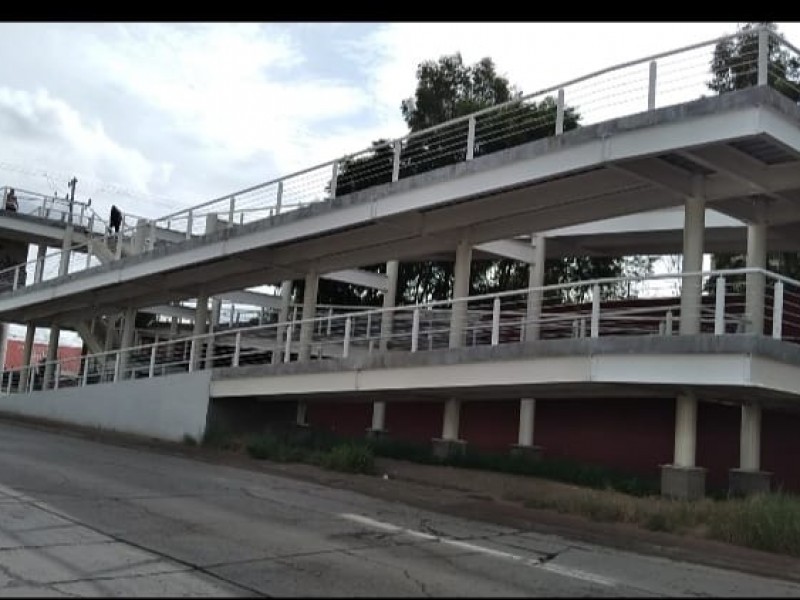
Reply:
x=312 y=447
x=350 y=458
x=556 y=469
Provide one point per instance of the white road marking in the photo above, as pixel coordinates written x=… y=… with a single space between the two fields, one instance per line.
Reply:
x=531 y=562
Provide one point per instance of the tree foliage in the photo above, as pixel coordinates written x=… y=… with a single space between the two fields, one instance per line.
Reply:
x=447 y=89
x=733 y=67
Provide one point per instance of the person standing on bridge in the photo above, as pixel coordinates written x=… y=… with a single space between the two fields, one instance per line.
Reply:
x=11 y=201
x=115 y=220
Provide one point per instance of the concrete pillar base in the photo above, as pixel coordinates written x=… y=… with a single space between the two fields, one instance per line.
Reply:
x=447 y=448
x=748 y=483
x=532 y=453
x=683 y=483
x=377 y=434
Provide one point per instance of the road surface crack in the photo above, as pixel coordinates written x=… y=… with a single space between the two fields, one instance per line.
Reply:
x=416 y=581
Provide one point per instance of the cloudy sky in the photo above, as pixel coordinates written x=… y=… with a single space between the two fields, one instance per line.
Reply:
x=156 y=117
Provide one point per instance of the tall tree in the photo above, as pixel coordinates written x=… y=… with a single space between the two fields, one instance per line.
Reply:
x=734 y=67
x=446 y=90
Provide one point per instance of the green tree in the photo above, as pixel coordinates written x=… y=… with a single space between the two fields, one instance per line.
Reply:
x=733 y=67
x=448 y=89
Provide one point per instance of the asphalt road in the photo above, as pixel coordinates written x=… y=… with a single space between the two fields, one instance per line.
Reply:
x=83 y=518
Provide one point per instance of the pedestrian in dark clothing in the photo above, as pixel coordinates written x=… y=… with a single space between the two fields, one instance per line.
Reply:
x=116 y=219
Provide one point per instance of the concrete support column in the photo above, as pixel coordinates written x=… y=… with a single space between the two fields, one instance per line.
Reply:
x=748 y=478
x=38 y=272
x=535 y=280
x=458 y=316
x=387 y=319
x=283 y=317
x=302 y=414
x=524 y=446
x=755 y=285
x=52 y=354
x=685 y=430
x=140 y=236
x=682 y=479
x=309 y=311
x=693 y=241
x=378 y=420
x=392 y=269
x=200 y=325
x=27 y=352
x=216 y=310
x=126 y=340
x=449 y=444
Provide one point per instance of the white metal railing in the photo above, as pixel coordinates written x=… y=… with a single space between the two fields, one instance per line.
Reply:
x=725 y=307
x=658 y=80
x=635 y=86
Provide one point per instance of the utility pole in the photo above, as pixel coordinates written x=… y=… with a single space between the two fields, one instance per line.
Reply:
x=72 y=182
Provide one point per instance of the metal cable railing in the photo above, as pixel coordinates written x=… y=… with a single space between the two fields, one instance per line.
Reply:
x=770 y=308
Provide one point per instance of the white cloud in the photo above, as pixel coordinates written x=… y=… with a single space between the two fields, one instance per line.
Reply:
x=50 y=136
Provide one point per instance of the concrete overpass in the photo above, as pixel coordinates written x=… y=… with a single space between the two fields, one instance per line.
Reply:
x=588 y=190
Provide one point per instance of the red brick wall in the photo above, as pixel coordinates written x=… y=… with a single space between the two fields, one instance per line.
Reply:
x=14 y=350
x=631 y=435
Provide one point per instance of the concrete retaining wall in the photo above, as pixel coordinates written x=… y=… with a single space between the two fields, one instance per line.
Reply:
x=163 y=407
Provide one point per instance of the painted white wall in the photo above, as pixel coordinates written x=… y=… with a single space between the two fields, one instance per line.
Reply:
x=163 y=407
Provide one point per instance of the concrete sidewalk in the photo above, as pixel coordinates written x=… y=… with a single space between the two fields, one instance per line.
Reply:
x=46 y=553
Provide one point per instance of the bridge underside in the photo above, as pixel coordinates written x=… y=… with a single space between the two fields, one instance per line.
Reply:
x=745 y=145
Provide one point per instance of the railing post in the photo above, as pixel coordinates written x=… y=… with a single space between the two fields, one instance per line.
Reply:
x=89 y=253
x=152 y=369
x=719 y=307
x=471 y=139
x=560 y=112
x=330 y=320
x=668 y=325
x=10 y=379
x=57 y=376
x=86 y=360
x=595 y=327
x=496 y=322
x=777 y=311
x=192 y=354
x=651 y=87
x=346 y=347
x=231 y=210
x=415 y=330
x=279 y=199
x=334 y=177
x=16 y=279
x=118 y=249
x=189 y=217
x=237 y=349
x=396 y=160
x=763 y=56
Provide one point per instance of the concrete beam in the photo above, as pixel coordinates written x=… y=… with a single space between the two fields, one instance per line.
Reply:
x=510 y=249
x=360 y=277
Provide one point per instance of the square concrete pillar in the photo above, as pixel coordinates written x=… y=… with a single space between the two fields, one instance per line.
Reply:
x=683 y=483
x=532 y=453
x=446 y=448
x=747 y=483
